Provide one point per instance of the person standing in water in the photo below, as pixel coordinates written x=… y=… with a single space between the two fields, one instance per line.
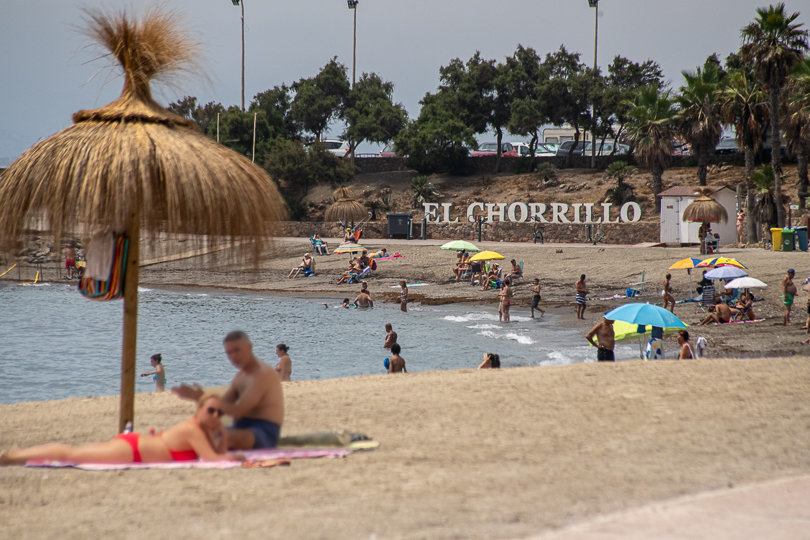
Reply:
x=581 y=297
x=284 y=365
x=403 y=296
x=159 y=374
x=535 y=305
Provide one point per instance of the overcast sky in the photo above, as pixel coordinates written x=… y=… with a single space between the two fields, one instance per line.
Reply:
x=47 y=71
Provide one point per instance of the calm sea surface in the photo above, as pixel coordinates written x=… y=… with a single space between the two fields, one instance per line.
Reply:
x=54 y=343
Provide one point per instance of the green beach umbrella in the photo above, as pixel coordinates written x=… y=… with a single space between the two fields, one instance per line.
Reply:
x=460 y=245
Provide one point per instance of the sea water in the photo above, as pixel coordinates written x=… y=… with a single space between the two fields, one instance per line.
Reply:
x=54 y=343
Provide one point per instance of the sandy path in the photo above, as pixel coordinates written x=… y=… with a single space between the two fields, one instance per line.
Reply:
x=464 y=454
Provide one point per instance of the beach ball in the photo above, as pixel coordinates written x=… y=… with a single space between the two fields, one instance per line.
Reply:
x=386 y=363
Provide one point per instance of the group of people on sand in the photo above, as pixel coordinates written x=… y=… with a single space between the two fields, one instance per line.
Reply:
x=603 y=338
x=255 y=401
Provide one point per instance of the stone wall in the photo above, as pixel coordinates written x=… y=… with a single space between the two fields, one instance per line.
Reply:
x=615 y=233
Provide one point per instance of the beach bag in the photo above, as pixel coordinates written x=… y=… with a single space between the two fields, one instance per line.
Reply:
x=112 y=251
x=373 y=264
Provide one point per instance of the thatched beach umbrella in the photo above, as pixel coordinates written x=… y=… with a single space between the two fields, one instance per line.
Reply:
x=134 y=168
x=345 y=208
x=704 y=209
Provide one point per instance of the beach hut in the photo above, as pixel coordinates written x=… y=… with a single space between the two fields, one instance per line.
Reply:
x=675 y=200
x=134 y=169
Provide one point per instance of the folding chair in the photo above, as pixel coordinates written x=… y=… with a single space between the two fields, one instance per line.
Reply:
x=638 y=291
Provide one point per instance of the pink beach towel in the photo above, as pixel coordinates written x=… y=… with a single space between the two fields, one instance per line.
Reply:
x=253 y=458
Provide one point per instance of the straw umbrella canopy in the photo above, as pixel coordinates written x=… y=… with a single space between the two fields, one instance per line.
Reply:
x=135 y=168
x=345 y=208
x=704 y=209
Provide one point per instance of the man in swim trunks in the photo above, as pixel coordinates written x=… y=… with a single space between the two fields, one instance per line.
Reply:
x=582 y=297
x=536 y=298
x=390 y=336
x=363 y=299
x=721 y=313
x=788 y=292
x=255 y=398
x=606 y=340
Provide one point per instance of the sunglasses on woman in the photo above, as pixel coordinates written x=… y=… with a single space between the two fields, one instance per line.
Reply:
x=213 y=411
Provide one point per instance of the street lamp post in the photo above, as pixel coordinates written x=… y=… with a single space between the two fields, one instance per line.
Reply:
x=353 y=6
x=594 y=4
x=242 y=4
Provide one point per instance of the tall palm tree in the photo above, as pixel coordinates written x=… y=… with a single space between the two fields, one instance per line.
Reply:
x=766 y=208
x=699 y=115
x=742 y=106
x=797 y=122
x=774 y=42
x=651 y=128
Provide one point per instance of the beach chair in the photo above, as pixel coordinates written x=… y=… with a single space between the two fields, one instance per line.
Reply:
x=637 y=287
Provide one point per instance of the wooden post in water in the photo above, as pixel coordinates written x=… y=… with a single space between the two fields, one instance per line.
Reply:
x=130 y=339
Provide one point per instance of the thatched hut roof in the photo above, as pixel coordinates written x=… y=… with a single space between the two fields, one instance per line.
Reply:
x=133 y=155
x=704 y=209
x=346 y=208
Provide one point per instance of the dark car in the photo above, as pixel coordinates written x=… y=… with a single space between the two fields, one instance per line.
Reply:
x=726 y=145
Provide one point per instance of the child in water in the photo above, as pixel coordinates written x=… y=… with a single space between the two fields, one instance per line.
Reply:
x=159 y=374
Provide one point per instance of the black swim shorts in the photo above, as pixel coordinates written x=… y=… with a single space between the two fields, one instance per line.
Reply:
x=604 y=355
x=536 y=301
x=265 y=433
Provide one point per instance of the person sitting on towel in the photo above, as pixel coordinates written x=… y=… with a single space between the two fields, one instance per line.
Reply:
x=719 y=313
x=201 y=436
x=255 y=398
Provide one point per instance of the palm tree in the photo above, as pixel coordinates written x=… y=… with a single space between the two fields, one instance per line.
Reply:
x=621 y=192
x=699 y=118
x=651 y=128
x=742 y=106
x=766 y=207
x=774 y=43
x=797 y=122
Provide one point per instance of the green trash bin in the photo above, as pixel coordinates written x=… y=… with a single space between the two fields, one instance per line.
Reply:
x=787 y=240
x=776 y=238
x=801 y=238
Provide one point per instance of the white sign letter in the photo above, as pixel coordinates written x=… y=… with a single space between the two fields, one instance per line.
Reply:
x=589 y=214
x=624 y=213
x=606 y=213
x=431 y=211
x=576 y=207
x=524 y=212
x=446 y=210
x=536 y=211
x=499 y=213
x=471 y=210
x=558 y=211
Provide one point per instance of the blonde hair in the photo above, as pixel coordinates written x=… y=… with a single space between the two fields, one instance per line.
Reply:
x=206 y=396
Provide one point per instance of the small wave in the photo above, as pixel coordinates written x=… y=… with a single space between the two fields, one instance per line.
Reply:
x=523 y=340
x=477 y=316
x=484 y=326
x=143 y=289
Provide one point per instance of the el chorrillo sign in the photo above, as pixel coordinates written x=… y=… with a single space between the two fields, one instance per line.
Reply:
x=518 y=212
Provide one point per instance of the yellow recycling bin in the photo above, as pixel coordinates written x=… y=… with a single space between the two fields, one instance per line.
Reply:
x=776 y=238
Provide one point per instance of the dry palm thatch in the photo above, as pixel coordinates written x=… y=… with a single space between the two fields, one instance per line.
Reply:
x=704 y=209
x=132 y=156
x=133 y=166
x=345 y=208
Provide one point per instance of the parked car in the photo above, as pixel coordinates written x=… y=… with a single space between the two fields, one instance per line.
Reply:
x=680 y=148
x=522 y=149
x=388 y=151
x=490 y=149
x=569 y=146
x=545 y=150
x=336 y=147
x=727 y=145
x=606 y=149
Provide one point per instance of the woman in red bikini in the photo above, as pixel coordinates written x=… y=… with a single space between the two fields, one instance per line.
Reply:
x=200 y=437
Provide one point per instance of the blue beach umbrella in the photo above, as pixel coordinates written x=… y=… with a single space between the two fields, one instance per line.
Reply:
x=726 y=272
x=645 y=314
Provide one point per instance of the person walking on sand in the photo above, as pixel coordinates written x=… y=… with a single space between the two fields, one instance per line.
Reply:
x=284 y=365
x=403 y=296
x=535 y=305
x=581 y=297
x=390 y=336
x=159 y=374
x=506 y=300
x=201 y=436
x=606 y=340
x=687 y=352
x=396 y=364
x=666 y=292
x=788 y=293
x=255 y=398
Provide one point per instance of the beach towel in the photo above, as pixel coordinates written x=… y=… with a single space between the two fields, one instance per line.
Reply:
x=411 y=285
x=253 y=459
x=740 y=322
x=390 y=257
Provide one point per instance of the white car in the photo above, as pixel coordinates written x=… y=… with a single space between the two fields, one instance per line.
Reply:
x=336 y=147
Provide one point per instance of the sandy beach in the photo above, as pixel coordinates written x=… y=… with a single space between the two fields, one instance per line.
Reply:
x=464 y=454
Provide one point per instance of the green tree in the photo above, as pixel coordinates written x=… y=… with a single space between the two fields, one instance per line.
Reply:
x=621 y=192
x=371 y=114
x=651 y=128
x=774 y=42
x=624 y=80
x=423 y=191
x=797 y=123
x=766 y=207
x=205 y=116
x=298 y=168
x=741 y=106
x=528 y=114
x=236 y=131
x=321 y=99
x=565 y=92
x=699 y=115
x=276 y=104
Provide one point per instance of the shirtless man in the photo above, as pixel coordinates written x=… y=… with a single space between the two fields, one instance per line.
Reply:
x=396 y=364
x=788 y=292
x=666 y=292
x=255 y=398
x=390 y=336
x=721 y=313
x=606 y=340
x=535 y=305
x=582 y=297
x=363 y=300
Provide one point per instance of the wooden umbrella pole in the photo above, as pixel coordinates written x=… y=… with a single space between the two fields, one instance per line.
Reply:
x=127 y=407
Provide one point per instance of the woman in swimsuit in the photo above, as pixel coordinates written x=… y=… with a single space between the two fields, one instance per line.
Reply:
x=159 y=374
x=284 y=366
x=506 y=300
x=201 y=436
x=687 y=352
x=403 y=296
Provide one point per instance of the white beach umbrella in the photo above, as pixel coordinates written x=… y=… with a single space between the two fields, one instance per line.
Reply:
x=746 y=282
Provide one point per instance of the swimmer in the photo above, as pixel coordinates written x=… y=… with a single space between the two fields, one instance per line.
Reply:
x=159 y=374
x=535 y=305
x=284 y=365
x=390 y=336
x=491 y=361
x=403 y=296
x=396 y=364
